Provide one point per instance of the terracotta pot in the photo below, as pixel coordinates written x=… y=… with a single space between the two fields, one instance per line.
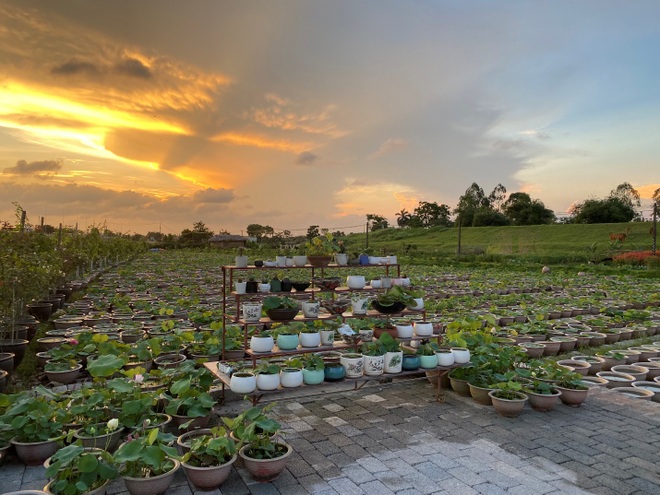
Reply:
x=265 y=470
x=108 y=441
x=572 y=397
x=208 y=478
x=480 y=395
x=509 y=408
x=35 y=453
x=155 y=485
x=543 y=402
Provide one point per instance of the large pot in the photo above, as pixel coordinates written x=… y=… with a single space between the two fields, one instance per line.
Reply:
x=155 y=485
x=208 y=478
x=265 y=470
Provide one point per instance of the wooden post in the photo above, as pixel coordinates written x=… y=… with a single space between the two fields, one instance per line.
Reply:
x=42 y=225
x=458 y=251
x=59 y=237
x=655 y=226
x=367 y=236
x=23 y=215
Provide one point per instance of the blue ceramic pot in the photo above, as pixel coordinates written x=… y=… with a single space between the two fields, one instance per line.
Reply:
x=334 y=372
x=411 y=362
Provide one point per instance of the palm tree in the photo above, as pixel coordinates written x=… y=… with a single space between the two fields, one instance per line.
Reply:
x=403 y=218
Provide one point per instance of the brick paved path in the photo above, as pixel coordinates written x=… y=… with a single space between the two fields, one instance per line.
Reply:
x=397 y=439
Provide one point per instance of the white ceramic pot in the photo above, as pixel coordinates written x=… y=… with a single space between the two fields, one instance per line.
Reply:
x=240 y=287
x=353 y=364
x=310 y=339
x=327 y=337
x=423 y=328
x=418 y=306
x=268 y=381
x=241 y=261
x=359 y=306
x=311 y=309
x=289 y=262
x=374 y=365
x=280 y=261
x=300 y=260
x=264 y=288
x=386 y=282
x=461 y=355
x=291 y=377
x=404 y=330
x=261 y=344
x=341 y=259
x=355 y=282
x=445 y=358
x=243 y=382
x=392 y=260
x=393 y=362
x=251 y=311
x=374 y=260
x=375 y=284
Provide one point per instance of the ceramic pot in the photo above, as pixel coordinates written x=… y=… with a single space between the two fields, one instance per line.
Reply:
x=35 y=453
x=404 y=330
x=341 y=259
x=291 y=377
x=243 y=382
x=314 y=377
x=428 y=362
x=355 y=282
x=359 y=305
x=423 y=329
x=261 y=344
x=393 y=362
x=353 y=364
x=287 y=342
x=461 y=355
x=268 y=381
x=615 y=380
x=374 y=365
x=309 y=340
x=241 y=261
x=480 y=395
x=240 y=287
x=327 y=337
x=252 y=311
x=334 y=372
x=311 y=309
x=572 y=397
x=300 y=260
x=411 y=362
x=445 y=357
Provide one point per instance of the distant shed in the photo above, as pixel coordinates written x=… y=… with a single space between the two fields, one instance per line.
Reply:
x=228 y=241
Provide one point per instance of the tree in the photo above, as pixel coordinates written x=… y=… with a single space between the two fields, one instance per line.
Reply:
x=487 y=217
x=378 y=222
x=470 y=203
x=627 y=194
x=197 y=236
x=521 y=209
x=610 y=210
x=656 y=198
x=432 y=214
x=403 y=218
x=259 y=231
x=313 y=231
x=497 y=197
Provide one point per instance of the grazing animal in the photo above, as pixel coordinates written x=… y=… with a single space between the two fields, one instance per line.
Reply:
x=621 y=236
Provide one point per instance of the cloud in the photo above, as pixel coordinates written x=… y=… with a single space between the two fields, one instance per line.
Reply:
x=392 y=145
x=74 y=66
x=34 y=168
x=134 y=68
x=211 y=195
x=306 y=158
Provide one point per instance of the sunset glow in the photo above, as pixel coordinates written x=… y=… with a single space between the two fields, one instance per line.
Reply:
x=293 y=114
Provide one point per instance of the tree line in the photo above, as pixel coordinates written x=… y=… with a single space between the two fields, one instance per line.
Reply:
x=475 y=208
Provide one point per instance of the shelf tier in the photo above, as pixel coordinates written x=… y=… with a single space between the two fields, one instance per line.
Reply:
x=372 y=313
x=308 y=266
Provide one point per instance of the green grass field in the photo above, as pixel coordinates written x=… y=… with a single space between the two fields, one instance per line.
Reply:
x=569 y=243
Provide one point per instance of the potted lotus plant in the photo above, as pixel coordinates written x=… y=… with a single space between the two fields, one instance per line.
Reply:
x=320 y=250
x=208 y=462
x=263 y=453
x=147 y=461
x=75 y=470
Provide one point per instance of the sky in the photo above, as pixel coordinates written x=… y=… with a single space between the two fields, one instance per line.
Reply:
x=153 y=115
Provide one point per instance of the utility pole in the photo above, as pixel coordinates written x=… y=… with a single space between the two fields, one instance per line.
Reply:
x=367 y=235
x=655 y=226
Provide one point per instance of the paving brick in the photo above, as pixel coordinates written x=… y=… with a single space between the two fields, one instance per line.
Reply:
x=372 y=465
x=313 y=483
x=375 y=487
x=346 y=486
x=357 y=474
